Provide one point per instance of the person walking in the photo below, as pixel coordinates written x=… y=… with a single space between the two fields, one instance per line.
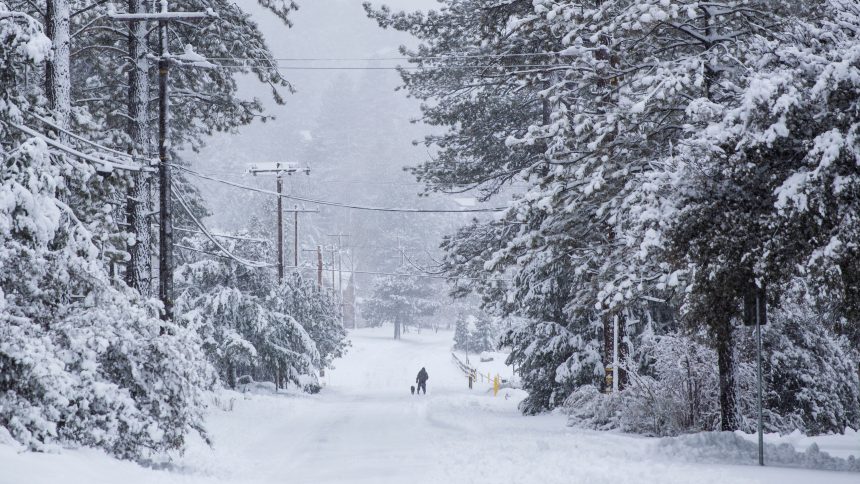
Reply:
x=421 y=380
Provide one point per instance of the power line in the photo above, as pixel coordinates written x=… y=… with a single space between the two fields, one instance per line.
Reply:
x=143 y=161
x=396 y=58
x=225 y=236
x=385 y=68
x=209 y=236
x=107 y=162
x=336 y=204
x=430 y=276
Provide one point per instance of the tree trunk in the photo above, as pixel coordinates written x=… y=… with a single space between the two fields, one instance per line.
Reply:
x=725 y=362
x=396 y=329
x=57 y=71
x=139 y=201
x=231 y=376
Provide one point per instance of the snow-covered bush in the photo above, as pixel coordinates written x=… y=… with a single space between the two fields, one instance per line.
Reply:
x=810 y=382
x=242 y=335
x=810 y=373
x=672 y=388
x=112 y=377
x=678 y=393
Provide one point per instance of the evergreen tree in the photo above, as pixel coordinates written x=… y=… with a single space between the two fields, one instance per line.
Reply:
x=252 y=325
x=461 y=334
x=83 y=360
x=484 y=336
x=399 y=300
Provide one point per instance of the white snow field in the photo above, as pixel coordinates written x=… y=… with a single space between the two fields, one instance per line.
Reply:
x=365 y=427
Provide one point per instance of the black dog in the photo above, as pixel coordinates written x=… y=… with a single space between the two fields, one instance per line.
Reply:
x=412 y=388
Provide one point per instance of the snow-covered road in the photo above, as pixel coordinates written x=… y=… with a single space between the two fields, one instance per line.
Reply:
x=365 y=427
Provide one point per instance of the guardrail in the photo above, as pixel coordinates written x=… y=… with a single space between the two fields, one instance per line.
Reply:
x=473 y=375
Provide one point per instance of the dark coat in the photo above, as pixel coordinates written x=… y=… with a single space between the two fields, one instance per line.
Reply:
x=422 y=376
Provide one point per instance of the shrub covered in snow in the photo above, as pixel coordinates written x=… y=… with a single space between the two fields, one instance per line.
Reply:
x=810 y=373
x=810 y=382
x=672 y=388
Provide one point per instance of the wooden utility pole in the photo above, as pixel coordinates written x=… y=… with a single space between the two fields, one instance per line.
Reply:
x=165 y=227
x=280 y=229
x=296 y=211
x=318 y=251
x=319 y=267
x=332 y=250
x=339 y=237
x=279 y=169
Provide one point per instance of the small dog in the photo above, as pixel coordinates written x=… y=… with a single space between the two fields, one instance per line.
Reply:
x=412 y=388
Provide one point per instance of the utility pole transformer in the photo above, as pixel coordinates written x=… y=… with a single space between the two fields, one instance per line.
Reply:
x=165 y=227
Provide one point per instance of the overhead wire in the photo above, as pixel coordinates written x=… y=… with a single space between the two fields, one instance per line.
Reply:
x=107 y=163
x=404 y=57
x=240 y=260
x=225 y=236
x=428 y=276
x=144 y=161
x=215 y=254
x=335 y=204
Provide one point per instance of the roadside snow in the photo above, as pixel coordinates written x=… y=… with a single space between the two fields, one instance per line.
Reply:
x=365 y=427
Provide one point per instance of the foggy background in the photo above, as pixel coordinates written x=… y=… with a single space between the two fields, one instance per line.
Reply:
x=351 y=128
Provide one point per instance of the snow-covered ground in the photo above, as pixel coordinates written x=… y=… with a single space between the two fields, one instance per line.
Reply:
x=365 y=427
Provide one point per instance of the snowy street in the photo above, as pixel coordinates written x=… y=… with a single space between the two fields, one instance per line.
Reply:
x=365 y=427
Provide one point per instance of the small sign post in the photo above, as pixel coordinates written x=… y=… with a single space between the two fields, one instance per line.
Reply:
x=755 y=313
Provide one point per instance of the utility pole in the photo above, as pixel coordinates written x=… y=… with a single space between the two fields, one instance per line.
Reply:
x=319 y=267
x=165 y=227
x=318 y=250
x=332 y=250
x=279 y=169
x=296 y=211
x=340 y=237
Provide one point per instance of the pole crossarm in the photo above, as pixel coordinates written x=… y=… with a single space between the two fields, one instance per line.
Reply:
x=277 y=168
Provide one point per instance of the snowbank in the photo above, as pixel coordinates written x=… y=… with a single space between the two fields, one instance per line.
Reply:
x=844 y=446
x=731 y=448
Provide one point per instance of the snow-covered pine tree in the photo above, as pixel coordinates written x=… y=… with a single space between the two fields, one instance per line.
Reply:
x=317 y=311
x=234 y=306
x=780 y=164
x=461 y=334
x=81 y=362
x=400 y=300
x=484 y=336
x=203 y=99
